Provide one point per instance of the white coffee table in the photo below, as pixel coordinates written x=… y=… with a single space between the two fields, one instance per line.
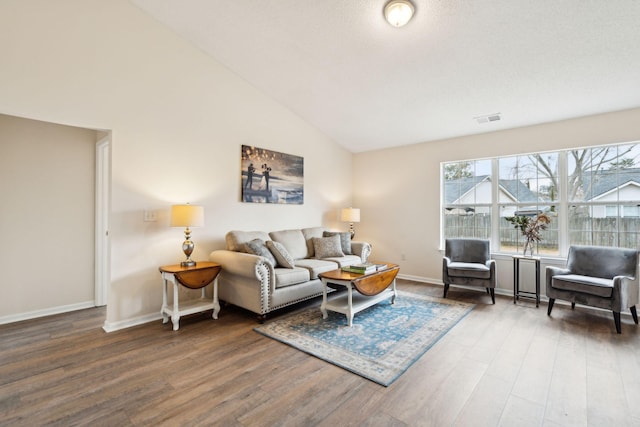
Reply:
x=370 y=289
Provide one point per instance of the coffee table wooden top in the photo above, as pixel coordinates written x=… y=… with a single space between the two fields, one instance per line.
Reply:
x=367 y=284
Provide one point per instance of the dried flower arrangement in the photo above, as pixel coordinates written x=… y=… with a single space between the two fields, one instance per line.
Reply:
x=530 y=227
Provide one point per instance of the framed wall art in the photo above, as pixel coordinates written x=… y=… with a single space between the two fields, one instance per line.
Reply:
x=271 y=177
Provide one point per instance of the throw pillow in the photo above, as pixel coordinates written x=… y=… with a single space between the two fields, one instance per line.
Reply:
x=345 y=240
x=327 y=247
x=257 y=247
x=281 y=255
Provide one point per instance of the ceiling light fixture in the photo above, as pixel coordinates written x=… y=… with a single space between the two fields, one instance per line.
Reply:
x=398 y=12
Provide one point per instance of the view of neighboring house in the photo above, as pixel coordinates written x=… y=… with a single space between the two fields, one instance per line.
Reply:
x=476 y=190
x=471 y=195
x=614 y=186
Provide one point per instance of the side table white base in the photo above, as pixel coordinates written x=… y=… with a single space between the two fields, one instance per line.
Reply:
x=187 y=307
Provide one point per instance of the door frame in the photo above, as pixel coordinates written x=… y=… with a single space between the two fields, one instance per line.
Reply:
x=102 y=209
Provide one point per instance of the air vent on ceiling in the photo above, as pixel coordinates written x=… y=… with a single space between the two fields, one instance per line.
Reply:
x=489 y=118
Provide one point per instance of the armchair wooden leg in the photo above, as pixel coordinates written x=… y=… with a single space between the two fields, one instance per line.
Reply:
x=446 y=289
x=573 y=305
x=634 y=313
x=493 y=295
x=550 y=306
x=616 y=319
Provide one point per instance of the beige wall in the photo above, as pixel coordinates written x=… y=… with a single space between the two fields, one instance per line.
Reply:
x=178 y=120
x=46 y=216
x=398 y=190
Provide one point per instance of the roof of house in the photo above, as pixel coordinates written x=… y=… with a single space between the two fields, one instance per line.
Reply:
x=456 y=188
x=604 y=181
x=594 y=185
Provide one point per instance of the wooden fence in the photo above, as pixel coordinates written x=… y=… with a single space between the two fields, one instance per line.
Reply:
x=622 y=232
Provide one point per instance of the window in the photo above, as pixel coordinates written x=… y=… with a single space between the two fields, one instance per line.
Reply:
x=601 y=183
x=528 y=186
x=591 y=195
x=467 y=199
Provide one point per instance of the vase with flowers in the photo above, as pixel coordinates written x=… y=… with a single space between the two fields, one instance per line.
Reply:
x=531 y=228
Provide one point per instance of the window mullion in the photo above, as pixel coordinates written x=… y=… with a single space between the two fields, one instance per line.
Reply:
x=495 y=205
x=563 y=193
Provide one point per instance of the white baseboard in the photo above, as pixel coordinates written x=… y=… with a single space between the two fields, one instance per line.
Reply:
x=420 y=279
x=45 y=312
x=127 y=323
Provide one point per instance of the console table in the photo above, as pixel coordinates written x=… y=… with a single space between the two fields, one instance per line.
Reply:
x=195 y=277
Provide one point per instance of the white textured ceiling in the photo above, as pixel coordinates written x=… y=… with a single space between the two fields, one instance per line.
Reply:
x=368 y=85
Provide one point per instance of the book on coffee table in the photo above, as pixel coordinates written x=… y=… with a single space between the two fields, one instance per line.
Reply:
x=365 y=268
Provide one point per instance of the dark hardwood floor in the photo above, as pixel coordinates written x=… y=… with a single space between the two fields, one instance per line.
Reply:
x=503 y=364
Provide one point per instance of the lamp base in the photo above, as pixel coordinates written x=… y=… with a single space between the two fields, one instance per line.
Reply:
x=188 y=263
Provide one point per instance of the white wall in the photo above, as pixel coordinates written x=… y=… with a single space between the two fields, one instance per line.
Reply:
x=46 y=217
x=178 y=120
x=398 y=189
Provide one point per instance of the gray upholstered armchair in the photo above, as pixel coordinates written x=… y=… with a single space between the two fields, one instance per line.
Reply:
x=599 y=277
x=468 y=262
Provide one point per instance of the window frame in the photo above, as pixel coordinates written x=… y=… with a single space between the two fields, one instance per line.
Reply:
x=561 y=203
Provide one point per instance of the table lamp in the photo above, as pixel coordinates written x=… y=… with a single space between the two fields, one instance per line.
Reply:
x=351 y=215
x=187 y=216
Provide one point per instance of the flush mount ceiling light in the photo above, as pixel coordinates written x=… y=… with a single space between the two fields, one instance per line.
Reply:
x=398 y=12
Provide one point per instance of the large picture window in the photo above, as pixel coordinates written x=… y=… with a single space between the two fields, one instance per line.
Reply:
x=592 y=197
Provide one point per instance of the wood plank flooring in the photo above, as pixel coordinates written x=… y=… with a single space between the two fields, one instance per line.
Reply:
x=502 y=365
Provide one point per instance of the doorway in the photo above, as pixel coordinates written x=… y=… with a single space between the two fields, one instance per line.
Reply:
x=54 y=218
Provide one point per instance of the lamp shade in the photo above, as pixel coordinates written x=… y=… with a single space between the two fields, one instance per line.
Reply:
x=187 y=216
x=398 y=12
x=350 y=215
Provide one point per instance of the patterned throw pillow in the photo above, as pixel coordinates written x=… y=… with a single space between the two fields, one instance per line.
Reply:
x=257 y=247
x=280 y=253
x=345 y=240
x=327 y=247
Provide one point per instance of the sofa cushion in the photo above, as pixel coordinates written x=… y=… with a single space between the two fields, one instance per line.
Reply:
x=605 y=262
x=258 y=247
x=291 y=276
x=316 y=266
x=309 y=234
x=236 y=239
x=326 y=247
x=467 y=250
x=469 y=269
x=585 y=284
x=346 y=260
x=283 y=258
x=345 y=240
x=293 y=241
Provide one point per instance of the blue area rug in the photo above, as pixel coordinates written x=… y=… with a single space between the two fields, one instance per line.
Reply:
x=384 y=341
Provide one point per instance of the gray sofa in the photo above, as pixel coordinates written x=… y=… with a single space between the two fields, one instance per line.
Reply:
x=263 y=272
x=599 y=277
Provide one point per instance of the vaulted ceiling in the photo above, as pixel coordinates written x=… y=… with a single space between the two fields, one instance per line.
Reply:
x=339 y=65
